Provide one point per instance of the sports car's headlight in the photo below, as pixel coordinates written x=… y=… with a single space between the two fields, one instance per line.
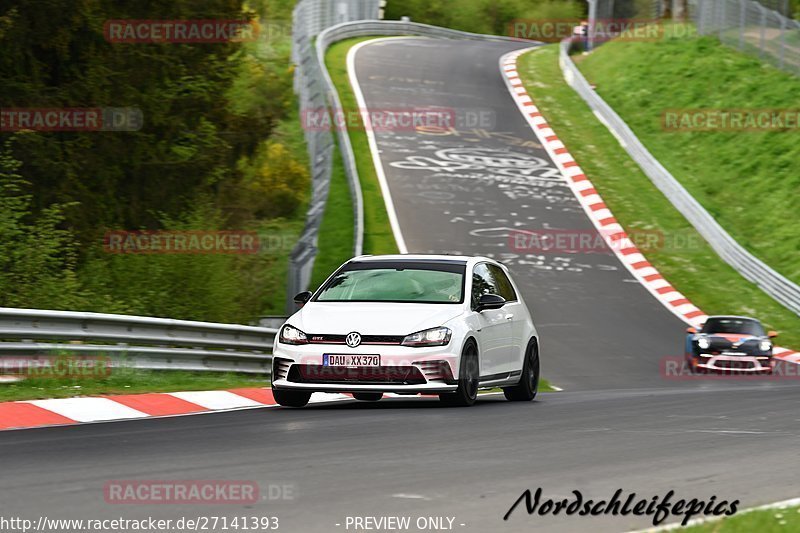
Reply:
x=292 y=335
x=765 y=346
x=703 y=343
x=429 y=337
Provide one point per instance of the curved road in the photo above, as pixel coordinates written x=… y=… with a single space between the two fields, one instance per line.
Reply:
x=618 y=424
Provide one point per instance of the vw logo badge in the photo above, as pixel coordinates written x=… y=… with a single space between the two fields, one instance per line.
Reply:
x=353 y=339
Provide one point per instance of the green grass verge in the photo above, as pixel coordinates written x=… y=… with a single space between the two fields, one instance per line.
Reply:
x=335 y=241
x=125 y=381
x=696 y=270
x=766 y=521
x=378 y=237
x=747 y=180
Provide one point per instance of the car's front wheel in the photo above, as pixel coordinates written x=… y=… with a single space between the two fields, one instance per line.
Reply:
x=291 y=398
x=467 y=391
x=368 y=396
x=528 y=385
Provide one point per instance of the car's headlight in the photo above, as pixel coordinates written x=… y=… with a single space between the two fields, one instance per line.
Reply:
x=292 y=335
x=765 y=346
x=703 y=343
x=429 y=337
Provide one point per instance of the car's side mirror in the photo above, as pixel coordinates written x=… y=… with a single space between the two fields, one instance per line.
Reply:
x=772 y=334
x=303 y=297
x=691 y=330
x=490 y=301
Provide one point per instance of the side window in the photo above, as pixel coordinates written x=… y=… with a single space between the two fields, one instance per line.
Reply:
x=503 y=284
x=482 y=283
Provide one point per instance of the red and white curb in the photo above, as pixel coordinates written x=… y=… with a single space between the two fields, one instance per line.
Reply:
x=598 y=212
x=70 y=411
x=92 y=409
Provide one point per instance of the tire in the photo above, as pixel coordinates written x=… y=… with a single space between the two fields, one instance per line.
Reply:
x=528 y=385
x=368 y=396
x=291 y=398
x=468 y=379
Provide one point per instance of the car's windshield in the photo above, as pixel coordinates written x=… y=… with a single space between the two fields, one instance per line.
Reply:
x=733 y=325
x=396 y=282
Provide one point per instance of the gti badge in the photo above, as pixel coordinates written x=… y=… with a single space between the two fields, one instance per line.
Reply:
x=353 y=339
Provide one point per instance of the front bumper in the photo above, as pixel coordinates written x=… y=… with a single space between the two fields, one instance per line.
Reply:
x=402 y=369
x=730 y=363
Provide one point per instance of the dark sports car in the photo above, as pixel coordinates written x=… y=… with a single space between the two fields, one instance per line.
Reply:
x=730 y=344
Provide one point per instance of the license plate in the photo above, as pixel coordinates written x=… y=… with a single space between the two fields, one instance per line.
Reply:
x=351 y=360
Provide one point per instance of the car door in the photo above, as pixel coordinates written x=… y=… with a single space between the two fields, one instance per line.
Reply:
x=494 y=329
x=515 y=316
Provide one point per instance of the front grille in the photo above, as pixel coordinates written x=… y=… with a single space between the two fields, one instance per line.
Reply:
x=734 y=365
x=323 y=338
x=391 y=375
x=280 y=368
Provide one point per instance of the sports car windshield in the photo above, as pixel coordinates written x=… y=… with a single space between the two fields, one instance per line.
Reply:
x=417 y=283
x=733 y=325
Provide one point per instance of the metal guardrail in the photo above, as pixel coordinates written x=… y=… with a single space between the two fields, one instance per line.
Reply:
x=752 y=268
x=139 y=342
x=312 y=86
x=752 y=28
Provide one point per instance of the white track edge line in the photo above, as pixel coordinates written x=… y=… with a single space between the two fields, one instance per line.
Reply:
x=373 y=144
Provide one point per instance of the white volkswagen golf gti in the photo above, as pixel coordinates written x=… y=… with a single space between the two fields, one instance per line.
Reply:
x=409 y=324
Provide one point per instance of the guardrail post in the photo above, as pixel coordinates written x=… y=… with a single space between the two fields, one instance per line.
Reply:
x=763 y=37
x=742 y=20
x=783 y=40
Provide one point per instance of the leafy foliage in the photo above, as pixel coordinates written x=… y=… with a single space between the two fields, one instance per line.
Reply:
x=36 y=257
x=214 y=153
x=483 y=16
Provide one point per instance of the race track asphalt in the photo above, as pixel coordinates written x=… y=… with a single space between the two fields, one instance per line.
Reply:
x=619 y=423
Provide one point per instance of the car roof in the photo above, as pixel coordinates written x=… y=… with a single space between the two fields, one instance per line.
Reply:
x=443 y=258
x=733 y=316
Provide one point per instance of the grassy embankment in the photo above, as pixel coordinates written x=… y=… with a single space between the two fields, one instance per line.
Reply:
x=693 y=269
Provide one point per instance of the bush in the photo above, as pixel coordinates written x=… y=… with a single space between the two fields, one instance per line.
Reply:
x=482 y=16
x=36 y=257
x=275 y=182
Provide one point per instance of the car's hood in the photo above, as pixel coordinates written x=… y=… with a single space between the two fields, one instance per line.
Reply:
x=372 y=318
x=732 y=337
x=737 y=341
